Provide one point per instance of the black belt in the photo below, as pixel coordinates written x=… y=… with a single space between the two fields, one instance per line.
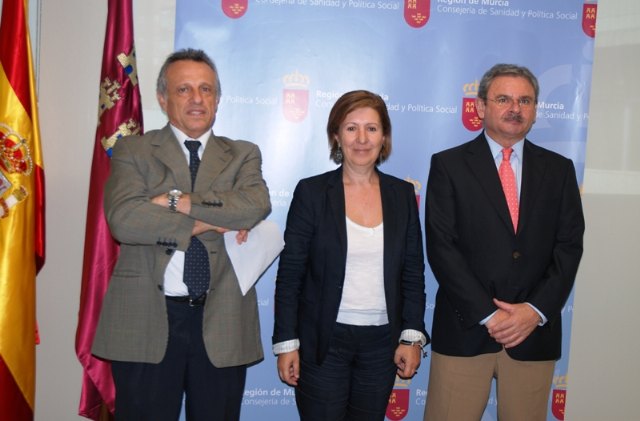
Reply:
x=193 y=302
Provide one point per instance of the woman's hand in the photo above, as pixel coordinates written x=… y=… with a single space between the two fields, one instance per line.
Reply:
x=407 y=360
x=289 y=367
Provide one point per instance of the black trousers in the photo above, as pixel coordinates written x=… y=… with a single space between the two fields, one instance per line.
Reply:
x=155 y=392
x=355 y=379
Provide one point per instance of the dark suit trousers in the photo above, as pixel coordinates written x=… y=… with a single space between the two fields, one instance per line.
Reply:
x=154 y=392
x=355 y=379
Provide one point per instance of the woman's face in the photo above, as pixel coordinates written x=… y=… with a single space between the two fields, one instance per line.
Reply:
x=361 y=137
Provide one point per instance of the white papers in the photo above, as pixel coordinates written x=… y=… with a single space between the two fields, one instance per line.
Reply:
x=252 y=258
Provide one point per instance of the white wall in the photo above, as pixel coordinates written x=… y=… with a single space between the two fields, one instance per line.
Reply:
x=70 y=44
x=603 y=363
x=69 y=70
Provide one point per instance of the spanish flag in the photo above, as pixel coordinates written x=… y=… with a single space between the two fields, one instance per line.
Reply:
x=119 y=114
x=21 y=214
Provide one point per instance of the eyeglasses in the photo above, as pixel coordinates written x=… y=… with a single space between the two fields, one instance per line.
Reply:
x=504 y=101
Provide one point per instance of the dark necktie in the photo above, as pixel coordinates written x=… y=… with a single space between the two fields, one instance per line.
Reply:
x=196 y=259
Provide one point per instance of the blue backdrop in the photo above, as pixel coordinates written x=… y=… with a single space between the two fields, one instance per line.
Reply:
x=283 y=63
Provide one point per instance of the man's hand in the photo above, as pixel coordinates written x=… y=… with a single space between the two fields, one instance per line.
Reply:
x=518 y=324
x=184 y=206
x=289 y=367
x=242 y=236
x=199 y=227
x=498 y=317
x=407 y=359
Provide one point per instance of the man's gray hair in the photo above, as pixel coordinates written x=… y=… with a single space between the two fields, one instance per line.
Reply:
x=190 y=54
x=503 y=69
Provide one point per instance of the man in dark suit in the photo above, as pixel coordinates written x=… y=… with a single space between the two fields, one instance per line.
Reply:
x=504 y=229
x=174 y=321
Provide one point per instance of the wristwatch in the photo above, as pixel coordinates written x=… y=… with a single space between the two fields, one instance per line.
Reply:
x=173 y=196
x=414 y=343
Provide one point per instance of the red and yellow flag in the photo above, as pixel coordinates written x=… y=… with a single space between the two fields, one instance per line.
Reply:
x=21 y=214
x=119 y=114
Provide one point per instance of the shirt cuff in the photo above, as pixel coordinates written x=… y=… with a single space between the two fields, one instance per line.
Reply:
x=286 y=346
x=413 y=335
x=486 y=319
x=543 y=320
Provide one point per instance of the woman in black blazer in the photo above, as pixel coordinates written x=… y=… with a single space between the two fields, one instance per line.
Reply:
x=350 y=300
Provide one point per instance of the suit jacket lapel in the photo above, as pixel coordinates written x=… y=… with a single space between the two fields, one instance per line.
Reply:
x=168 y=151
x=335 y=198
x=390 y=201
x=215 y=158
x=532 y=169
x=483 y=166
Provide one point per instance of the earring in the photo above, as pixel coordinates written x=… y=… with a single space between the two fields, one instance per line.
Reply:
x=379 y=159
x=338 y=155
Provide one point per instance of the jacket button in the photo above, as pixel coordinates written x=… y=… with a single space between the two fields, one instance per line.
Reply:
x=516 y=255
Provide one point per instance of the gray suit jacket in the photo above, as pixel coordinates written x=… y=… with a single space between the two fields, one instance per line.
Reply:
x=229 y=192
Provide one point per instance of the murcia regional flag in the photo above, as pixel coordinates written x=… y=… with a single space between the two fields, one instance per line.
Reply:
x=21 y=214
x=119 y=114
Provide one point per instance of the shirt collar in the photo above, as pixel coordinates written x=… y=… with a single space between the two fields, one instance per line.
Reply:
x=496 y=148
x=179 y=134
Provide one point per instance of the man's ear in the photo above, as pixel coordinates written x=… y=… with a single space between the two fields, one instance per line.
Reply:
x=162 y=101
x=480 y=104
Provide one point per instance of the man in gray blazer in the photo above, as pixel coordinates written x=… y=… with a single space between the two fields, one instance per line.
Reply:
x=174 y=321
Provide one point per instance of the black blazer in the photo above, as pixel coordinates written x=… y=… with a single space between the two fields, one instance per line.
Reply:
x=475 y=255
x=312 y=264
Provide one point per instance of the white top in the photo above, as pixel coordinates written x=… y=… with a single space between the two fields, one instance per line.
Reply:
x=363 y=301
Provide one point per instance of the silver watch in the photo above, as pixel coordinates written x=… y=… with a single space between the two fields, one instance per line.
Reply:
x=173 y=196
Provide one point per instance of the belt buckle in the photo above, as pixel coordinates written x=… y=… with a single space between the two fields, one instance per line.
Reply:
x=197 y=301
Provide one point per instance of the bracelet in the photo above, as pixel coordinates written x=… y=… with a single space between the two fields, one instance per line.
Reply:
x=416 y=343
